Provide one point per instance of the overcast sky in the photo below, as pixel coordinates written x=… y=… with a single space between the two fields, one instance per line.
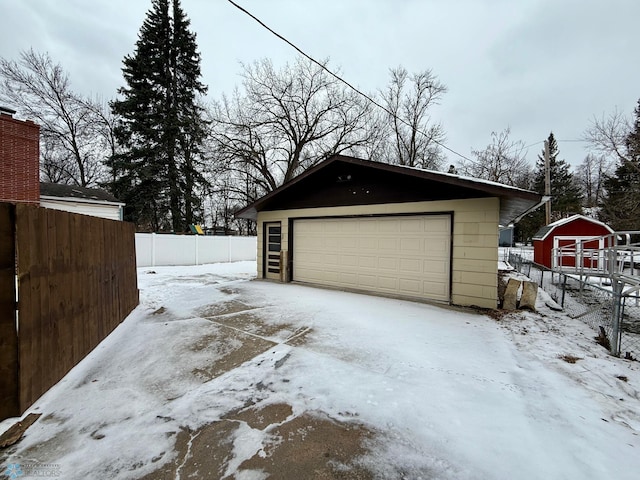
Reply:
x=533 y=65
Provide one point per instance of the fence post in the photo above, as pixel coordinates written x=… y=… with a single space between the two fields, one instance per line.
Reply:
x=9 y=353
x=196 y=248
x=616 y=314
x=153 y=249
x=564 y=288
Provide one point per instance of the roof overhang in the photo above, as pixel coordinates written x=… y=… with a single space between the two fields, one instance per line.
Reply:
x=52 y=198
x=514 y=202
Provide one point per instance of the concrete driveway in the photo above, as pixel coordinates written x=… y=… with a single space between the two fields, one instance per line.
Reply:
x=218 y=376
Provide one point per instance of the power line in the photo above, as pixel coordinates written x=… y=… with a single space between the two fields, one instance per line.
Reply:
x=337 y=77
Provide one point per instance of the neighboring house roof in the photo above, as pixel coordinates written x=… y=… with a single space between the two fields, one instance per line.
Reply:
x=547 y=229
x=514 y=202
x=92 y=195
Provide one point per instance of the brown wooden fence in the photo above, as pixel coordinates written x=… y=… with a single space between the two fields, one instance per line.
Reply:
x=76 y=282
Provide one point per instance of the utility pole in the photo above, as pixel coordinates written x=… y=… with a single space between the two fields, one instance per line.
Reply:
x=547 y=182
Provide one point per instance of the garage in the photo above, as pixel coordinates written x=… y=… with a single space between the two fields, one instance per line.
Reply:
x=408 y=256
x=384 y=229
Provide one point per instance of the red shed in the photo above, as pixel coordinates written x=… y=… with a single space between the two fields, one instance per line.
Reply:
x=568 y=231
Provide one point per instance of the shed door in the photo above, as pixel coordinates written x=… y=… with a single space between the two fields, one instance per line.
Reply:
x=399 y=255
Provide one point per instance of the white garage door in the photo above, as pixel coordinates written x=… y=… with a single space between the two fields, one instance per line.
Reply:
x=400 y=255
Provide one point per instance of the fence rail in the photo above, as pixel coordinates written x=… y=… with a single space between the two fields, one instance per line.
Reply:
x=76 y=281
x=596 y=301
x=166 y=249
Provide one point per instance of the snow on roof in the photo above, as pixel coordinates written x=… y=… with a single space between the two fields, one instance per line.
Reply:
x=465 y=178
x=73 y=191
x=547 y=229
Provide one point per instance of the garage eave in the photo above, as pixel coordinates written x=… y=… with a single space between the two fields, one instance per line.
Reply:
x=514 y=202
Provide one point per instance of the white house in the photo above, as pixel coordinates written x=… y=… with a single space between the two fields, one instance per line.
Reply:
x=87 y=201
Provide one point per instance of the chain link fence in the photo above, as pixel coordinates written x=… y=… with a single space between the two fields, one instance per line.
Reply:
x=630 y=326
x=614 y=316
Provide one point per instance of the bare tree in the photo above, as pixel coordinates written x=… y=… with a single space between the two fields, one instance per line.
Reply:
x=502 y=161
x=591 y=175
x=608 y=134
x=285 y=121
x=40 y=89
x=415 y=139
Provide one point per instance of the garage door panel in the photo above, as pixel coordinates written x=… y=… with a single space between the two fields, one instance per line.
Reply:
x=368 y=243
x=436 y=248
x=349 y=260
x=388 y=244
x=365 y=226
x=348 y=228
x=399 y=255
x=387 y=226
x=368 y=262
x=435 y=266
x=388 y=283
x=411 y=246
x=410 y=265
x=386 y=263
x=347 y=278
x=414 y=225
x=368 y=281
x=437 y=225
x=410 y=285
x=434 y=289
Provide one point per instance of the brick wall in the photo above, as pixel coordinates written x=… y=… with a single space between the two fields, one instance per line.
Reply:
x=19 y=160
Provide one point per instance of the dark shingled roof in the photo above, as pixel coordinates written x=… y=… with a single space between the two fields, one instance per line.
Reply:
x=73 y=191
x=540 y=234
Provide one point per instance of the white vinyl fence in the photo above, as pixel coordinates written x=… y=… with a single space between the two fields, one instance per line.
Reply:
x=160 y=249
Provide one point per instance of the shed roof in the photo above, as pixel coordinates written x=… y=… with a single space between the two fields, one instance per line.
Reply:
x=547 y=229
x=514 y=202
x=75 y=192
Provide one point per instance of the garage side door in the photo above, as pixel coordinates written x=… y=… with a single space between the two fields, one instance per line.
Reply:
x=400 y=255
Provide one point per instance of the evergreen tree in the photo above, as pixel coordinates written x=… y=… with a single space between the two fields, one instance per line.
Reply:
x=620 y=207
x=161 y=126
x=566 y=197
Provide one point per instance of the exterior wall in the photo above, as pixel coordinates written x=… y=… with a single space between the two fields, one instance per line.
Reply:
x=20 y=157
x=578 y=228
x=103 y=210
x=474 y=273
x=541 y=254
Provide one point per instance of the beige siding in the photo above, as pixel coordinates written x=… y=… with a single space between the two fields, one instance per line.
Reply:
x=475 y=240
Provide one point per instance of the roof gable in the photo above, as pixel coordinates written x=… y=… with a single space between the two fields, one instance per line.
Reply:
x=342 y=184
x=545 y=231
x=342 y=180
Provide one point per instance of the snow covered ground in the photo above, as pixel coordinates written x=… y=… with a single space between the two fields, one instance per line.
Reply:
x=449 y=393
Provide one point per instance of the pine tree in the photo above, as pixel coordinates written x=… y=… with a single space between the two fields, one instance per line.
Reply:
x=566 y=198
x=620 y=207
x=161 y=126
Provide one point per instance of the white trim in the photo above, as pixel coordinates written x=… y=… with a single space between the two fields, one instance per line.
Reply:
x=579 y=252
x=80 y=200
x=564 y=221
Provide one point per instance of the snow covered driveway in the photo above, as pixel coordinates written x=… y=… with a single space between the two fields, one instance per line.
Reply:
x=217 y=376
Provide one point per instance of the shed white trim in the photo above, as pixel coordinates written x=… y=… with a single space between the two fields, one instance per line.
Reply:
x=564 y=221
